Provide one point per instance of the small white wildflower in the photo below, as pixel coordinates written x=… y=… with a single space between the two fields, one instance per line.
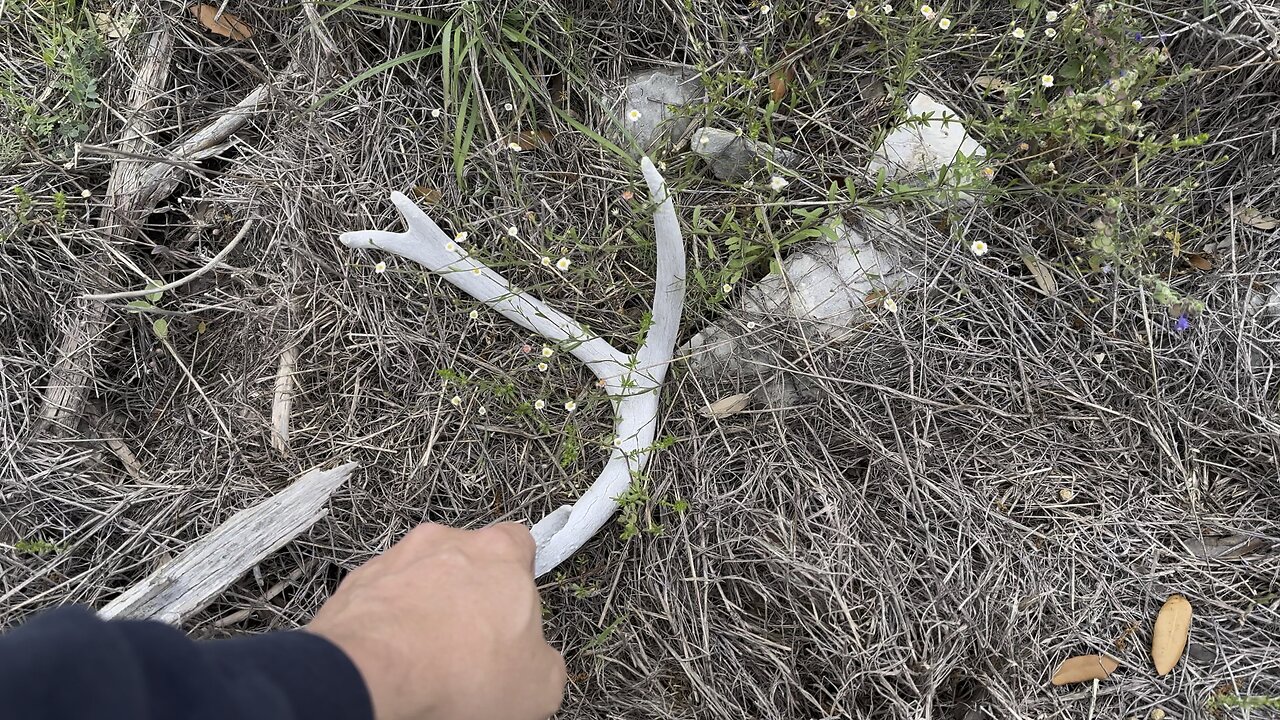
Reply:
x=977 y=247
x=450 y=247
x=851 y=13
x=513 y=231
x=543 y=367
x=562 y=264
x=435 y=113
x=890 y=304
x=571 y=406
x=380 y=268
x=1137 y=104
x=766 y=9
x=988 y=172
x=633 y=115
x=748 y=184
x=1066 y=495
x=508 y=107
x=539 y=404
x=461 y=237
x=474 y=314
x=1046 y=80
x=888 y=9
x=455 y=401
x=751 y=325
x=1019 y=33
x=546 y=261
x=1050 y=32
x=662 y=165
x=945 y=23
x=86 y=193
x=547 y=352
x=475 y=271
x=927 y=12
x=1051 y=16
x=514 y=147
x=777 y=182
x=482 y=411
x=727 y=288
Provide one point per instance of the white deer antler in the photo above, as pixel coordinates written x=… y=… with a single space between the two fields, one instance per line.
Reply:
x=633 y=382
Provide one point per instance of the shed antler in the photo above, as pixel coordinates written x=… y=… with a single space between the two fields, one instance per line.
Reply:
x=633 y=382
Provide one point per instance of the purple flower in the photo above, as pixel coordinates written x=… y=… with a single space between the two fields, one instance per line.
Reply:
x=1182 y=324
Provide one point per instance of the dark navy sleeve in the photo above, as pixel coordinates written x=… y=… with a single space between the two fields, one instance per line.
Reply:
x=66 y=664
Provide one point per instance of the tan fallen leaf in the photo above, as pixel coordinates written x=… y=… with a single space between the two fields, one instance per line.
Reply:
x=1044 y=279
x=530 y=139
x=780 y=82
x=429 y=195
x=1251 y=217
x=1169 y=638
x=1203 y=263
x=1084 y=667
x=724 y=407
x=226 y=25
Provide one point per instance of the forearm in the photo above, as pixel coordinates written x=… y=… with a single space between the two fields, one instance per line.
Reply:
x=68 y=665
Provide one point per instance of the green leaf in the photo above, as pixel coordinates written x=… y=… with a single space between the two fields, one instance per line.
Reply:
x=161 y=328
x=139 y=305
x=1071 y=70
x=155 y=296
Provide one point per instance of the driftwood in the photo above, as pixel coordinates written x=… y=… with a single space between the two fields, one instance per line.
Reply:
x=186 y=584
x=633 y=382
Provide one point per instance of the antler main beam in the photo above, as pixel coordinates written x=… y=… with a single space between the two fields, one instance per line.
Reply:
x=632 y=381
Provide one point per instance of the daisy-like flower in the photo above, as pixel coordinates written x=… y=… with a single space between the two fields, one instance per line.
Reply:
x=945 y=23
x=546 y=261
x=888 y=9
x=514 y=147
x=927 y=12
x=86 y=193
x=513 y=231
x=475 y=271
x=461 y=237
x=748 y=184
x=455 y=401
x=435 y=113
x=1066 y=494
x=380 y=268
x=547 y=352
x=1050 y=32
x=890 y=304
x=1019 y=33
x=1051 y=16
x=633 y=115
x=1136 y=104
x=977 y=247
x=727 y=288
x=562 y=264
x=766 y=9
x=543 y=367
x=474 y=314
x=571 y=406
x=482 y=411
x=777 y=182
x=751 y=325
x=851 y=13
x=539 y=404
x=1046 y=80
x=988 y=172
x=508 y=107
x=450 y=247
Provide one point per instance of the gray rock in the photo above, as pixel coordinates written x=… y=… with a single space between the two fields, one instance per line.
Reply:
x=659 y=95
x=732 y=156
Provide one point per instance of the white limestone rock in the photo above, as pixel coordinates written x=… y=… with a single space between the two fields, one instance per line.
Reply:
x=657 y=96
x=732 y=156
x=932 y=138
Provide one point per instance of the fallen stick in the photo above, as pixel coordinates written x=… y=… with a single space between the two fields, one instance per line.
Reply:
x=633 y=382
x=186 y=584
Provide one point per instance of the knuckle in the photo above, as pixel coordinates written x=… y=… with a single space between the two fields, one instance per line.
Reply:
x=510 y=539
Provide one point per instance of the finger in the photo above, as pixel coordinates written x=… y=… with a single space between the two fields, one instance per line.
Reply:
x=512 y=541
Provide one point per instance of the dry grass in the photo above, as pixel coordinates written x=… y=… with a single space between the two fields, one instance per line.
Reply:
x=975 y=488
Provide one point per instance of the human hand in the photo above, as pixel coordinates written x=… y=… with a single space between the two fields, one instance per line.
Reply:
x=447 y=625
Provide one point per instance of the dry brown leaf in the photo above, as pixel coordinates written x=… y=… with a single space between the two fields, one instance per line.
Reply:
x=991 y=84
x=530 y=139
x=1169 y=638
x=226 y=25
x=1204 y=263
x=1084 y=667
x=780 y=82
x=429 y=195
x=1251 y=217
x=1044 y=278
x=724 y=407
